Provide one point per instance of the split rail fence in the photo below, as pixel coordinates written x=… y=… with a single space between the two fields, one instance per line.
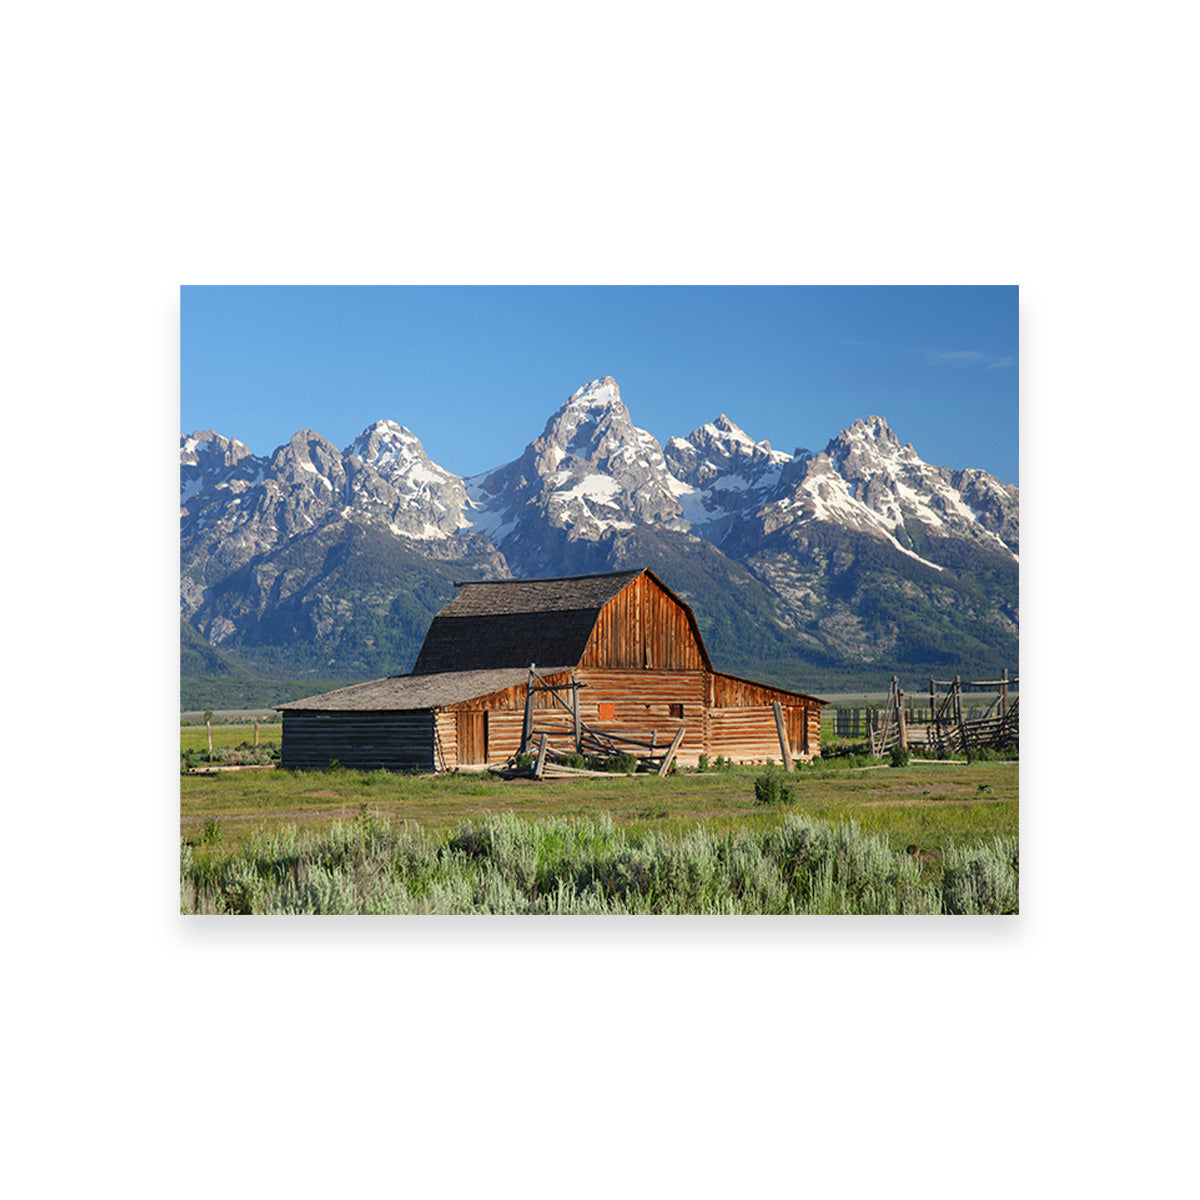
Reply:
x=947 y=724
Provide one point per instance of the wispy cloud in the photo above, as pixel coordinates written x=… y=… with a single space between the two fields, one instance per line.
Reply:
x=966 y=358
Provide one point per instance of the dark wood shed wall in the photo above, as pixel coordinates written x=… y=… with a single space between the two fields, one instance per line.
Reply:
x=644 y=627
x=365 y=741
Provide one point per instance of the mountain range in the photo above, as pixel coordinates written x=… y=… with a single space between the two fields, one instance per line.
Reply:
x=816 y=571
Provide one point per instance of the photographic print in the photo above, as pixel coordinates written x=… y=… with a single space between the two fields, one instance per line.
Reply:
x=599 y=600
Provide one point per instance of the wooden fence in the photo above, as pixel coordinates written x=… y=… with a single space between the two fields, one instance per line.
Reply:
x=858 y=722
x=580 y=738
x=947 y=724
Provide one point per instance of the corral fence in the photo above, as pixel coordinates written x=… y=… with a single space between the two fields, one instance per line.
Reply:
x=552 y=744
x=944 y=723
x=858 y=723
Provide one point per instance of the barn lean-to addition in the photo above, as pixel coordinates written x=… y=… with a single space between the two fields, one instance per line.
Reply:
x=622 y=646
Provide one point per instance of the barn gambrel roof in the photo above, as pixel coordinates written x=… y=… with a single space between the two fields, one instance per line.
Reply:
x=515 y=622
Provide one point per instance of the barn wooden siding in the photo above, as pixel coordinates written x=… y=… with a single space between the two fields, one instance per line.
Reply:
x=639 y=704
x=742 y=710
x=365 y=741
x=751 y=735
x=644 y=627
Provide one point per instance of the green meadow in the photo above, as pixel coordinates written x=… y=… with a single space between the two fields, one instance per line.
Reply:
x=230 y=819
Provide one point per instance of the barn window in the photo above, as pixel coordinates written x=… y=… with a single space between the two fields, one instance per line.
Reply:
x=677 y=711
x=606 y=711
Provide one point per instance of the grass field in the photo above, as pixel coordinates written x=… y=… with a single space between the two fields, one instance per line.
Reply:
x=936 y=806
x=195 y=737
x=925 y=803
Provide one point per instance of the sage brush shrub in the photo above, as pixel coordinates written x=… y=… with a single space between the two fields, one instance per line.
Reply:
x=503 y=864
x=981 y=878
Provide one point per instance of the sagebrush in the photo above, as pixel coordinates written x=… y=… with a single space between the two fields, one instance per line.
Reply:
x=503 y=864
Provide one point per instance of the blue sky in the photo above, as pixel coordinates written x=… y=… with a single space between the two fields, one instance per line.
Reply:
x=476 y=371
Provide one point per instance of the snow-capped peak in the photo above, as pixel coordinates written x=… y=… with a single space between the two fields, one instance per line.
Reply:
x=599 y=393
x=212 y=446
x=387 y=445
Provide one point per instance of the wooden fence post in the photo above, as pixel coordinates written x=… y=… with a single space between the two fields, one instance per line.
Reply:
x=781 y=729
x=527 y=727
x=670 y=755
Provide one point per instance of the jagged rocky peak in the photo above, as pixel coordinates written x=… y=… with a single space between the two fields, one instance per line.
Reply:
x=594 y=429
x=592 y=416
x=870 y=446
x=599 y=393
x=307 y=448
x=720 y=448
x=386 y=444
x=206 y=447
x=393 y=482
x=872 y=437
x=591 y=472
x=209 y=463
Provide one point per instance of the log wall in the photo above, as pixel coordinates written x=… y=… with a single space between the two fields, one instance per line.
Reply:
x=365 y=741
x=648 y=702
x=744 y=734
x=639 y=704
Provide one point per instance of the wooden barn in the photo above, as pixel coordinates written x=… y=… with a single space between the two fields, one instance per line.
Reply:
x=614 y=656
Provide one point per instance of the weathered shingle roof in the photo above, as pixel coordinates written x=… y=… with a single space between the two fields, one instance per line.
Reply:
x=399 y=693
x=512 y=623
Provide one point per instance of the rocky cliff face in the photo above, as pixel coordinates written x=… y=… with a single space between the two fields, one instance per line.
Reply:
x=726 y=474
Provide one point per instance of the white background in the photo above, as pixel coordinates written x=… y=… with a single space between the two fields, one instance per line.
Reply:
x=150 y=145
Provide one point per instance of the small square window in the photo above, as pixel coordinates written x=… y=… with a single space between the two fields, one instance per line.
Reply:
x=677 y=711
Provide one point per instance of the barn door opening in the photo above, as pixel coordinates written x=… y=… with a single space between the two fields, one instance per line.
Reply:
x=472 y=737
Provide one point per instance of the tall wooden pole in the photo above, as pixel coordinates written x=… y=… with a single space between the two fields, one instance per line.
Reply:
x=781 y=729
x=527 y=727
